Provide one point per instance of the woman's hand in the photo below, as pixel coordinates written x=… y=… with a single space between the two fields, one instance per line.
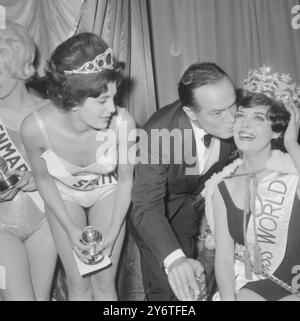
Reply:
x=8 y=195
x=292 y=131
x=26 y=181
x=26 y=184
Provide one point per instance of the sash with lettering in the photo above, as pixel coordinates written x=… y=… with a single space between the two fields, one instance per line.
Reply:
x=273 y=211
x=15 y=160
x=274 y=205
x=85 y=182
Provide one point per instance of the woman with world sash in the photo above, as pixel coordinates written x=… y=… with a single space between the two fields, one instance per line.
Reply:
x=27 y=250
x=252 y=206
x=80 y=180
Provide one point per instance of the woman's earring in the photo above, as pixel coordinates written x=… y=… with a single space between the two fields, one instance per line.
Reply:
x=74 y=109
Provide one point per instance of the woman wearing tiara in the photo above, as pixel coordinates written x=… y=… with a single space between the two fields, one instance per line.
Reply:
x=77 y=171
x=252 y=206
x=27 y=251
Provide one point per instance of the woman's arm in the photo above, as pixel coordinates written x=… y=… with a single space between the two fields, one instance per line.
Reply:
x=125 y=179
x=224 y=259
x=291 y=138
x=34 y=146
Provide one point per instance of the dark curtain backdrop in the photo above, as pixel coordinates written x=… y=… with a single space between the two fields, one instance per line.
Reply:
x=237 y=34
x=123 y=24
x=48 y=21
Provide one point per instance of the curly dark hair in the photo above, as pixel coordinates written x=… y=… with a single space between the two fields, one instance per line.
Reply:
x=277 y=113
x=70 y=90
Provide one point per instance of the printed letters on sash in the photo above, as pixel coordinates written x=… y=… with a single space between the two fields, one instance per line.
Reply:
x=15 y=160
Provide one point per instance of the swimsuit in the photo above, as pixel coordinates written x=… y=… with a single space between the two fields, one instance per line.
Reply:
x=266 y=288
x=20 y=216
x=83 y=186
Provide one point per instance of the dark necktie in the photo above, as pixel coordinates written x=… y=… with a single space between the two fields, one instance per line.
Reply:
x=207 y=140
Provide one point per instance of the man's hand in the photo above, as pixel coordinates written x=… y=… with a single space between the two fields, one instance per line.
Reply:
x=182 y=278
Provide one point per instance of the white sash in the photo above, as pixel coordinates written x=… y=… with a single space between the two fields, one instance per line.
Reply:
x=86 y=182
x=273 y=212
x=15 y=160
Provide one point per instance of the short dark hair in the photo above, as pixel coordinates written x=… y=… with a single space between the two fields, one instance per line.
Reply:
x=68 y=91
x=277 y=113
x=198 y=75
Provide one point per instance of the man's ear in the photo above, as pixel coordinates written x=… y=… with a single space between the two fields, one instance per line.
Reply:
x=190 y=113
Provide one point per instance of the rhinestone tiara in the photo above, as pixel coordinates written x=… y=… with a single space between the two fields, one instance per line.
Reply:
x=280 y=87
x=101 y=62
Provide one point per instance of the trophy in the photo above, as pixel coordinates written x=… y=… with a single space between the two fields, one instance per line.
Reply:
x=92 y=238
x=7 y=181
x=201 y=279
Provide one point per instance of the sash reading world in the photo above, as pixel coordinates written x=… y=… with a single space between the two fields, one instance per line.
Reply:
x=273 y=213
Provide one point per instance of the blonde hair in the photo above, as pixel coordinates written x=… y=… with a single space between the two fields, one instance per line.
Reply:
x=17 y=51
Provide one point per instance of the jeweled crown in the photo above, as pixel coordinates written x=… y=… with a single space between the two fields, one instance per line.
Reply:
x=280 y=87
x=101 y=62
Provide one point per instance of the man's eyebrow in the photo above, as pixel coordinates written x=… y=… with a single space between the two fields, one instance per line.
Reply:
x=260 y=113
x=223 y=109
x=106 y=96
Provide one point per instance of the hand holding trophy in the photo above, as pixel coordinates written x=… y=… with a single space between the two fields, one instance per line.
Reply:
x=7 y=181
x=92 y=238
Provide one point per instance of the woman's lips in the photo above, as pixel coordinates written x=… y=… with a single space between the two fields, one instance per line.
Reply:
x=245 y=136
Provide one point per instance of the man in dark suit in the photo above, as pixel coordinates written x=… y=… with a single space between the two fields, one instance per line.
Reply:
x=163 y=220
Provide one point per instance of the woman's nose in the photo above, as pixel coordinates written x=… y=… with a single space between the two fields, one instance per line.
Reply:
x=111 y=107
x=246 y=123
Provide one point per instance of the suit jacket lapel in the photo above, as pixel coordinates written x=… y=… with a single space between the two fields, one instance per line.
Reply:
x=189 y=150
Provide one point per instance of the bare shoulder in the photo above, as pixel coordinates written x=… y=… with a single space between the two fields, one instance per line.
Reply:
x=29 y=127
x=31 y=133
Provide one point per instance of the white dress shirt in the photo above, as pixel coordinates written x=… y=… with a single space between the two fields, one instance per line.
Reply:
x=207 y=156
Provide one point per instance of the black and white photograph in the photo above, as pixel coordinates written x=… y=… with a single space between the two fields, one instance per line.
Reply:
x=149 y=152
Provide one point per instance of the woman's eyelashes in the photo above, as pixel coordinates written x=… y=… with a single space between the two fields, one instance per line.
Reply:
x=260 y=118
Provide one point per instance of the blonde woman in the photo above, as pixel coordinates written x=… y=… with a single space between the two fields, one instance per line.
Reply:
x=27 y=251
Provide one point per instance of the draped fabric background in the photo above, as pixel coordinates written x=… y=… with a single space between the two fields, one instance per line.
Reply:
x=48 y=21
x=237 y=34
x=124 y=26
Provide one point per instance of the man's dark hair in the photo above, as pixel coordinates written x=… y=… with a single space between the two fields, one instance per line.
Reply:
x=198 y=75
